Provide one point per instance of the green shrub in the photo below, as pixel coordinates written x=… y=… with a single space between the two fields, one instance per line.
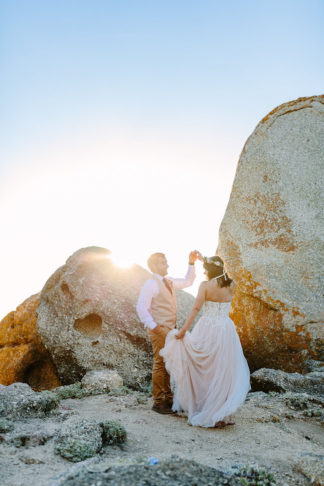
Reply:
x=120 y=392
x=69 y=391
x=113 y=433
x=6 y=425
x=251 y=476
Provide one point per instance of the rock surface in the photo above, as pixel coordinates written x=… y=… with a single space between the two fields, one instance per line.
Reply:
x=104 y=380
x=87 y=318
x=267 y=380
x=78 y=440
x=20 y=401
x=172 y=472
x=23 y=357
x=271 y=238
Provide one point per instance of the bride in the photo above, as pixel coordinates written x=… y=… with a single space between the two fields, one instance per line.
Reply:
x=207 y=366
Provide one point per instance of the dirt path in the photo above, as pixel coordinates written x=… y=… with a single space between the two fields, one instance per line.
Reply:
x=266 y=433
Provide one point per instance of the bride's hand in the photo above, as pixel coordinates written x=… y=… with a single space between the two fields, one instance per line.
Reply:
x=180 y=334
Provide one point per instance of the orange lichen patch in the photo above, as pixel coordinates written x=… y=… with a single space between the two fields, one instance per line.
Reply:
x=295 y=312
x=270 y=225
x=20 y=326
x=246 y=284
x=234 y=253
x=231 y=255
x=23 y=357
x=291 y=106
x=265 y=340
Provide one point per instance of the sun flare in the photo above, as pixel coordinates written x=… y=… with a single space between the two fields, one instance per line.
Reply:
x=122 y=261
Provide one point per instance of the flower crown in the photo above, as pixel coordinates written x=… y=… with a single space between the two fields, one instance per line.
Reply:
x=212 y=262
x=217 y=264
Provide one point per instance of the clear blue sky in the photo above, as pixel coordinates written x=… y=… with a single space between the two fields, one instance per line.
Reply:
x=66 y=63
x=188 y=79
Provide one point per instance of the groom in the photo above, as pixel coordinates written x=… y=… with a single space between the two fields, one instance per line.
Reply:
x=157 y=309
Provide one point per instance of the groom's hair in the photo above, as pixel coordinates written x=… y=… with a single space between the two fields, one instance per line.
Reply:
x=152 y=260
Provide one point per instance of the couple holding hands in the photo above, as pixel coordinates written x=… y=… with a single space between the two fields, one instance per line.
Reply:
x=209 y=374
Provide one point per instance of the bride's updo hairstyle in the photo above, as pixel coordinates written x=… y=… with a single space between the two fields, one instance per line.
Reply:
x=215 y=269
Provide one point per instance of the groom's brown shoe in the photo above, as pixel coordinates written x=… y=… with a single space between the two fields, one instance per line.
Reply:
x=162 y=408
x=169 y=403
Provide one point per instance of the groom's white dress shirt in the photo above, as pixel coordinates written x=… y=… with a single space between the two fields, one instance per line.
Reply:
x=150 y=290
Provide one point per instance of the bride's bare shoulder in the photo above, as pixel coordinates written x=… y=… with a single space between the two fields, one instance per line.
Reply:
x=202 y=287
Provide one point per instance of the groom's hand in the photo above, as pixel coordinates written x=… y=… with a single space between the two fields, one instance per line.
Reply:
x=193 y=255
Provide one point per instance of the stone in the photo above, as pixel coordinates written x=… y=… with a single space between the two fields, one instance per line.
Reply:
x=31 y=439
x=104 y=380
x=23 y=357
x=271 y=238
x=78 y=440
x=87 y=318
x=173 y=472
x=266 y=380
x=19 y=401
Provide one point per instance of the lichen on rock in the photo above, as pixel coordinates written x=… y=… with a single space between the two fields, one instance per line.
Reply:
x=271 y=238
x=87 y=318
x=79 y=439
x=23 y=357
x=19 y=401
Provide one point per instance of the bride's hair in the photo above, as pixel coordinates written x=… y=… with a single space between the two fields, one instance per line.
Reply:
x=215 y=269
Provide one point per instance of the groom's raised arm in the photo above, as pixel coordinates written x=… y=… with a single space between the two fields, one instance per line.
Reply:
x=187 y=281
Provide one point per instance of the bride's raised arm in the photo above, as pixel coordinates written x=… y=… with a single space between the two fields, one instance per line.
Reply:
x=200 y=299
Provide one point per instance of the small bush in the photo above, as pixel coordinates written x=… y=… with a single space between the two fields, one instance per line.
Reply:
x=69 y=391
x=251 y=476
x=314 y=412
x=120 y=392
x=6 y=425
x=51 y=400
x=297 y=402
x=113 y=433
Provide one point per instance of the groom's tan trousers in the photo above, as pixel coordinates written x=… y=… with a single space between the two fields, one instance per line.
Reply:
x=160 y=377
x=164 y=312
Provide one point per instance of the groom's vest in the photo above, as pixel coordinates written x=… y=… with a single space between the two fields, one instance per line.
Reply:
x=164 y=306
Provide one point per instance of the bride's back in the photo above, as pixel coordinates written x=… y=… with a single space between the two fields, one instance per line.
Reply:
x=216 y=293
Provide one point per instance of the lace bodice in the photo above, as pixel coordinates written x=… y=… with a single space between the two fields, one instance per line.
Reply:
x=216 y=309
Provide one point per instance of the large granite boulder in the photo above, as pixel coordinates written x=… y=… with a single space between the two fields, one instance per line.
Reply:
x=87 y=318
x=271 y=238
x=23 y=357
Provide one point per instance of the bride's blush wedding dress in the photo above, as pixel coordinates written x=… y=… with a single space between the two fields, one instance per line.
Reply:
x=208 y=370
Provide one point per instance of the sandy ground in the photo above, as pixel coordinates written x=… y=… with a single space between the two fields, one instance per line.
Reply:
x=267 y=433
